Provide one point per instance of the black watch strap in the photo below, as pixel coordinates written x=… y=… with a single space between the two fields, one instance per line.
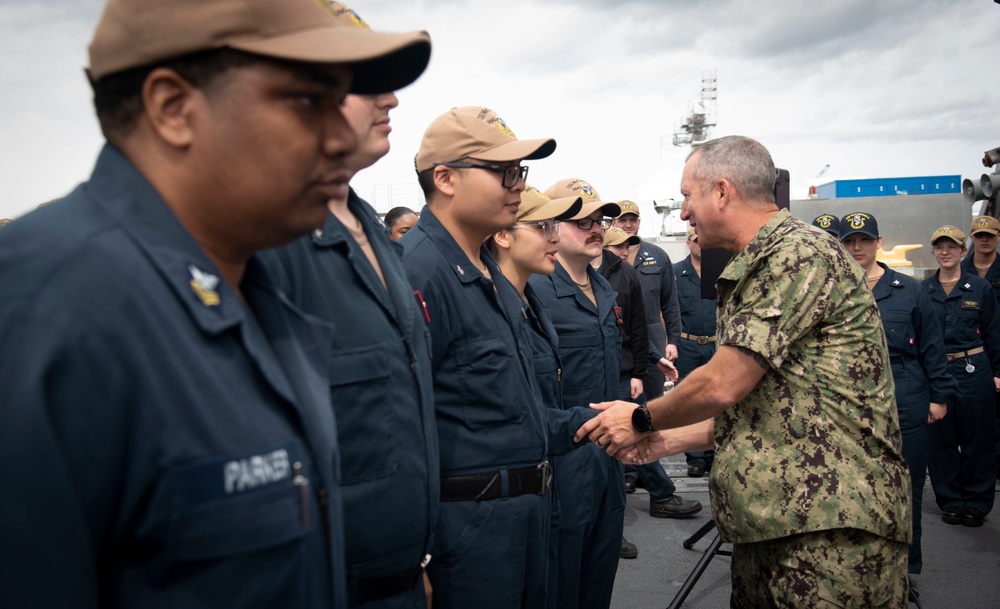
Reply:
x=642 y=421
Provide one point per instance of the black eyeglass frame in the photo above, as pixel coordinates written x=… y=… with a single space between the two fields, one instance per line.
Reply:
x=518 y=172
x=605 y=223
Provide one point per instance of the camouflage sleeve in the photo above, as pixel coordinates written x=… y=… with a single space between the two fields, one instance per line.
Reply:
x=788 y=293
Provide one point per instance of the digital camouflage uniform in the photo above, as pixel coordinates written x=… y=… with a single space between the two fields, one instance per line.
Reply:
x=815 y=446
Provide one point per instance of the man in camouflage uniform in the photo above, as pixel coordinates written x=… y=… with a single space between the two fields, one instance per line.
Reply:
x=809 y=482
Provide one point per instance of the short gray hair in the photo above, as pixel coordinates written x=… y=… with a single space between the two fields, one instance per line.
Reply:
x=741 y=160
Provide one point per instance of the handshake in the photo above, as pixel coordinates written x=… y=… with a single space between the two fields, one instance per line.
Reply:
x=626 y=431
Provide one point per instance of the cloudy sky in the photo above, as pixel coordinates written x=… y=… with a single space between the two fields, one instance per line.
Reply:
x=873 y=89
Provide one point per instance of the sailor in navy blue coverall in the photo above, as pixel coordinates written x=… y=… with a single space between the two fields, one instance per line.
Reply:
x=961 y=447
x=697 y=339
x=663 y=319
x=590 y=484
x=350 y=274
x=382 y=394
x=916 y=352
x=169 y=440
x=491 y=542
x=984 y=262
x=523 y=250
x=168 y=436
x=490 y=424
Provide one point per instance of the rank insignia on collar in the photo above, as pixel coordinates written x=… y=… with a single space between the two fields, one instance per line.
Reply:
x=896 y=282
x=458 y=268
x=967 y=286
x=203 y=284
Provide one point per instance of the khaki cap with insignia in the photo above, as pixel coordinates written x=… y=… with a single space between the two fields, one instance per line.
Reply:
x=949 y=232
x=616 y=236
x=475 y=132
x=573 y=187
x=536 y=205
x=629 y=207
x=140 y=33
x=984 y=224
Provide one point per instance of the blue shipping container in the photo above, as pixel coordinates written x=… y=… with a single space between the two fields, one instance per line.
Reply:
x=890 y=187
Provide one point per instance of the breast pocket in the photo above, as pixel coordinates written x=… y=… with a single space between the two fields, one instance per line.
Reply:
x=580 y=351
x=225 y=507
x=649 y=278
x=898 y=324
x=367 y=425
x=492 y=392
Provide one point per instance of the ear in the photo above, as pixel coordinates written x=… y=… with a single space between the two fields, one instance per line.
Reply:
x=444 y=180
x=503 y=239
x=725 y=189
x=169 y=103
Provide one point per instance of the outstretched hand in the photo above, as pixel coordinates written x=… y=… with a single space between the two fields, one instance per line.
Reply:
x=668 y=369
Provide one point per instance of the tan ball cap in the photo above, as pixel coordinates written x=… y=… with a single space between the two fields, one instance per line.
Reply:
x=629 y=207
x=535 y=205
x=984 y=224
x=616 y=236
x=138 y=33
x=949 y=232
x=475 y=132
x=573 y=187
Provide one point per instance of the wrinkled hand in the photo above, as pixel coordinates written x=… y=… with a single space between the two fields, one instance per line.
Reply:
x=937 y=412
x=671 y=352
x=996 y=384
x=668 y=369
x=612 y=429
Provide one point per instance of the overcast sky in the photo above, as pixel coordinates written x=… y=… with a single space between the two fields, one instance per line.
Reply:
x=874 y=89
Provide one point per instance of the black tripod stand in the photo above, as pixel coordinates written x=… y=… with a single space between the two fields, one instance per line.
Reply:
x=713 y=549
x=692 y=579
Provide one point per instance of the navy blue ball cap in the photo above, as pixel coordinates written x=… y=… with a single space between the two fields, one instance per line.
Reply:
x=858 y=222
x=829 y=223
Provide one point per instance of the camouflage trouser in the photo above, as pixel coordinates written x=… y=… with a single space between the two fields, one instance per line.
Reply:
x=835 y=568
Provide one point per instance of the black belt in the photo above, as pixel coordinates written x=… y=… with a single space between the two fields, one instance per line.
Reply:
x=899 y=360
x=376 y=588
x=490 y=486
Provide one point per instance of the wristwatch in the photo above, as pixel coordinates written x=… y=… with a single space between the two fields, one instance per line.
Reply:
x=641 y=419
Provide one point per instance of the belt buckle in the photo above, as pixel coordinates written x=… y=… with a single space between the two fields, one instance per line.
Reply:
x=702 y=340
x=546 y=470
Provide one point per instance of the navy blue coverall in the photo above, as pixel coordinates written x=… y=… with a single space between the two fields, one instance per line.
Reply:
x=993 y=277
x=489 y=552
x=961 y=446
x=383 y=396
x=656 y=275
x=698 y=324
x=919 y=370
x=166 y=443
x=635 y=335
x=590 y=485
x=561 y=420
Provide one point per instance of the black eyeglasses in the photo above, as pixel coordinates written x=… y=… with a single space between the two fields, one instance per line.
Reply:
x=548 y=227
x=587 y=223
x=511 y=173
